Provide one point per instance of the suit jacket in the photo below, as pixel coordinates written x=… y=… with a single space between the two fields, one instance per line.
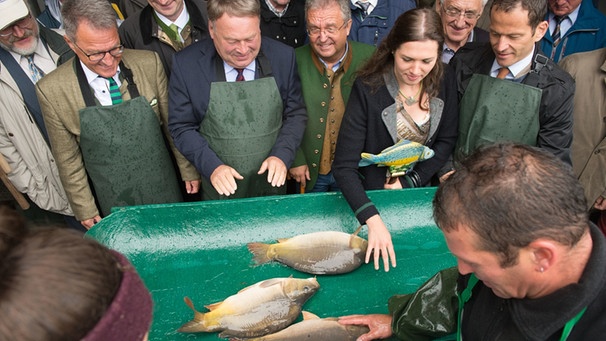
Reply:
x=589 y=134
x=194 y=69
x=61 y=100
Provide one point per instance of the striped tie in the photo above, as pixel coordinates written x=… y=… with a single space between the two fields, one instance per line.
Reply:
x=114 y=91
x=240 y=76
x=557 y=37
x=34 y=70
x=364 y=7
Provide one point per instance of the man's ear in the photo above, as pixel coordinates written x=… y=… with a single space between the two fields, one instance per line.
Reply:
x=544 y=252
x=540 y=31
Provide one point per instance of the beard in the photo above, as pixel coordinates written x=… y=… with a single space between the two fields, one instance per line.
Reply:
x=22 y=50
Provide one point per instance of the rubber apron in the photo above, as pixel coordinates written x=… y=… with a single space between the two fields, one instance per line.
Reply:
x=124 y=151
x=241 y=125
x=466 y=295
x=497 y=110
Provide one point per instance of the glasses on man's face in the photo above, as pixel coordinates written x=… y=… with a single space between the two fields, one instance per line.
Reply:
x=98 y=56
x=23 y=23
x=454 y=12
x=330 y=30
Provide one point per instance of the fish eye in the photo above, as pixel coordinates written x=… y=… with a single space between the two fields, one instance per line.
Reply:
x=306 y=289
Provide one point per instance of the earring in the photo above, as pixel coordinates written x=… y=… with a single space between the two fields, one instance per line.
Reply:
x=541 y=269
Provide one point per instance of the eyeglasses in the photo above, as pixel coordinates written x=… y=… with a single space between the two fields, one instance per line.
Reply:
x=454 y=12
x=98 y=56
x=23 y=23
x=315 y=31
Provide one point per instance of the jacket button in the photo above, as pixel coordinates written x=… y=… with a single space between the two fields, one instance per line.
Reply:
x=325 y=85
x=321 y=119
x=319 y=136
x=323 y=104
x=10 y=134
x=316 y=151
x=314 y=165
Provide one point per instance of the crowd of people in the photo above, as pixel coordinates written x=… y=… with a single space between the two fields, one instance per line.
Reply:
x=121 y=103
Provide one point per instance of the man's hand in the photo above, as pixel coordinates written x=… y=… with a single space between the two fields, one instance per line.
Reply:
x=392 y=183
x=88 y=223
x=300 y=174
x=600 y=203
x=379 y=325
x=276 y=171
x=192 y=187
x=379 y=243
x=224 y=179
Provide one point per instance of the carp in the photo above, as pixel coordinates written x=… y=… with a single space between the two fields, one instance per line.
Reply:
x=316 y=329
x=262 y=308
x=318 y=253
x=400 y=157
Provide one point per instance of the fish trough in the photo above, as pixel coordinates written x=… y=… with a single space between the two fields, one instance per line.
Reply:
x=199 y=250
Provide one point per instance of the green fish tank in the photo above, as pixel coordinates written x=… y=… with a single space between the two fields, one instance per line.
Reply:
x=199 y=250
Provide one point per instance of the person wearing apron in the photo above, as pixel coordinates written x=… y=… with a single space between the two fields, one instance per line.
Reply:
x=531 y=100
x=236 y=109
x=105 y=113
x=522 y=273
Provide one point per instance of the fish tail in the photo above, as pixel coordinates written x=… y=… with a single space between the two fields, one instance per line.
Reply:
x=366 y=160
x=260 y=252
x=198 y=324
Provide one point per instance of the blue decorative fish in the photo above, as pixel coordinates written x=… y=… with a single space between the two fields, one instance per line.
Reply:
x=400 y=157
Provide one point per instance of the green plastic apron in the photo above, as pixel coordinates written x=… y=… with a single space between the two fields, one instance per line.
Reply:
x=124 y=151
x=241 y=125
x=496 y=110
x=466 y=295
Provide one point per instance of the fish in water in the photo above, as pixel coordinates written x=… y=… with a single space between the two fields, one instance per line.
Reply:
x=313 y=328
x=257 y=310
x=318 y=253
x=400 y=157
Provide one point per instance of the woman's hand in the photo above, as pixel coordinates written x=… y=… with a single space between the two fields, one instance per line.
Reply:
x=379 y=243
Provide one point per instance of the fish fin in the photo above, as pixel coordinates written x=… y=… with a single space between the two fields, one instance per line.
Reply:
x=357 y=230
x=397 y=145
x=195 y=325
x=366 y=160
x=309 y=316
x=272 y=281
x=260 y=252
x=213 y=306
x=282 y=240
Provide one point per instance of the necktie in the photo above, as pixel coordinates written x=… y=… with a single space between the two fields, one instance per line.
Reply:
x=174 y=28
x=557 y=37
x=114 y=91
x=34 y=70
x=364 y=7
x=240 y=76
x=503 y=72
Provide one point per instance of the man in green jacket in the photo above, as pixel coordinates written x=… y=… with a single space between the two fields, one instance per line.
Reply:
x=327 y=68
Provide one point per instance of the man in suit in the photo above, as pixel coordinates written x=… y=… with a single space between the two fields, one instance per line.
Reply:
x=327 y=66
x=105 y=112
x=509 y=90
x=153 y=28
x=284 y=20
x=459 y=19
x=236 y=109
x=373 y=19
x=23 y=138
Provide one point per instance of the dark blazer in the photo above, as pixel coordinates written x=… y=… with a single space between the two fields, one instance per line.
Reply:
x=480 y=36
x=194 y=69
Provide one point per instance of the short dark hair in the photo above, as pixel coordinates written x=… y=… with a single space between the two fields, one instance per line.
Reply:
x=54 y=283
x=537 y=9
x=510 y=195
x=417 y=24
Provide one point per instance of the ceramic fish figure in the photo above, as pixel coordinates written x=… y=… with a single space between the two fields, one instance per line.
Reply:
x=314 y=328
x=400 y=157
x=318 y=253
x=257 y=310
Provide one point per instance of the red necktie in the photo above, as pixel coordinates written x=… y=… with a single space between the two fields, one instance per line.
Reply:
x=240 y=76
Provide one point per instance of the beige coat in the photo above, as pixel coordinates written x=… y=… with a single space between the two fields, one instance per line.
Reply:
x=589 y=137
x=60 y=100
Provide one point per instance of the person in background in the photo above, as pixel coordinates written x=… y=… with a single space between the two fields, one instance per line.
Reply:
x=399 y=94
x=165 y=27
x=236 y=109
x=508 y=89
x=28 y=52
x=57 y=285
x=589 y=136
x=574 y=26
x=459 y=18
x=528 y=268
x=51 y=15
x=373 y=19
x=284 y=21
x=106 y=113
x=327 y=66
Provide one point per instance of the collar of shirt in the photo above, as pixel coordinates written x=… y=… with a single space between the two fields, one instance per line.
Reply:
x=337 y=64
x=271 y=7
x=42 y=58
x=100 y=85
x=231 y=73
x=181 y=21
x=566 y=23
x=515 y=69
x=448 y=53
x=373 y=4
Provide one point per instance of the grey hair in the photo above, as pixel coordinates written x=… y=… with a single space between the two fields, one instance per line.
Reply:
x=237 y=8
x=316 y=4
x=96 y=13
x=484 y=2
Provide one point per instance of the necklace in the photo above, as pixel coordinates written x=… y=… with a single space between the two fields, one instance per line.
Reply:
x=412 y=99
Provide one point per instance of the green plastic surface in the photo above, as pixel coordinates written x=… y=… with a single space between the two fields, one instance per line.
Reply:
x=199 y=250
